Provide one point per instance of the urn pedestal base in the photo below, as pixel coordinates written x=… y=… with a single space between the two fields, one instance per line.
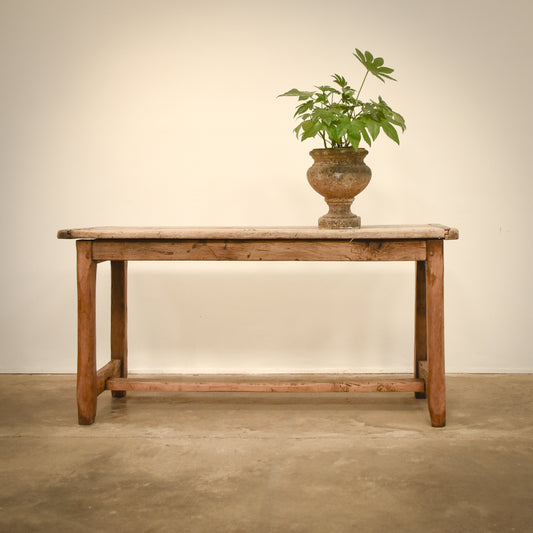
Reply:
x=339 y=215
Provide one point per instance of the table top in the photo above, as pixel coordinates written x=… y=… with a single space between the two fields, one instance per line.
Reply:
x=399 y=232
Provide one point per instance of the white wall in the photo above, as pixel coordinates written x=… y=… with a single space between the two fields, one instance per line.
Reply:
x=118 y=112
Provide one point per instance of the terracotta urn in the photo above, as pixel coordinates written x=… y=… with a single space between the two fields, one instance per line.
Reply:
x=339 y=174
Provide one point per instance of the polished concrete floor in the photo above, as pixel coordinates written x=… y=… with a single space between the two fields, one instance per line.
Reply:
x=267 y=463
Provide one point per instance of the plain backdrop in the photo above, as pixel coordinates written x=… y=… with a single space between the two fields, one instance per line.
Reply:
x=128 y=112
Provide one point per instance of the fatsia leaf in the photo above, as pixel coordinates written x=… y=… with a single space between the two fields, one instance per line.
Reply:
x=366 y=137
x=340 y=80
x=373 y=127
x=355 y=139
x=328 y=89
x=306 y=124
x=354 y=132
x=304 y=107
x=303 y=95
x=380 y=75
x=359 y=55
x=333 y=133
x=397 y=119
x=356 y=126
x=328 y=116
x=311 y=130
x=390 y=132
x=344 y=124
x=374 y=65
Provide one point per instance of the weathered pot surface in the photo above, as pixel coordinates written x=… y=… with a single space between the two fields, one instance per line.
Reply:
x=339 y=174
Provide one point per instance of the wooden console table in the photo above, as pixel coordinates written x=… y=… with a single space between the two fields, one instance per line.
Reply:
x=423 y=244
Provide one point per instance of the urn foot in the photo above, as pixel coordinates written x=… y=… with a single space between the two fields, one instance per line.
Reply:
x=339 y=215
x=329 y=222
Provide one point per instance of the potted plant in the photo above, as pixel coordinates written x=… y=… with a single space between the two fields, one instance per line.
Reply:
x=343 y=121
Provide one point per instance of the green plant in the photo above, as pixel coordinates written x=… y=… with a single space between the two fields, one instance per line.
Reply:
x=339 y=117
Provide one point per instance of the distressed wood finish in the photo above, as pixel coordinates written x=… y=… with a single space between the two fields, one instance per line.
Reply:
x=119 y=319
x=377 y=385
x=435 y=386
x=422 y=244
x=259 y=250
x=423 y=370
x=420 y=320
x=86 y=389
x=413 y=231
x=110 y=370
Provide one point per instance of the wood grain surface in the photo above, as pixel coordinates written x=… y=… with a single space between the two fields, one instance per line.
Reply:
x=423 y=231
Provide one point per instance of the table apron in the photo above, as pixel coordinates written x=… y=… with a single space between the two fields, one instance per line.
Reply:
x=259 y=250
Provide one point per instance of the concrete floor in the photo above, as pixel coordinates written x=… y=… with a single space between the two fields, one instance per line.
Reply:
x=267 y=463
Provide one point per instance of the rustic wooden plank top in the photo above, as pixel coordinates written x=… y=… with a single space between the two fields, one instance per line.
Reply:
x=422 y=231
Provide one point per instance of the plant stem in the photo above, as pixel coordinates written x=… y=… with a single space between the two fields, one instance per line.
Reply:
x=360 y=88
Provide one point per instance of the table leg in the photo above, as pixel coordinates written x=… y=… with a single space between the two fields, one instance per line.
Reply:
x=86 y=381
x=119 y=316
x=420 y=320
x=436 y=388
